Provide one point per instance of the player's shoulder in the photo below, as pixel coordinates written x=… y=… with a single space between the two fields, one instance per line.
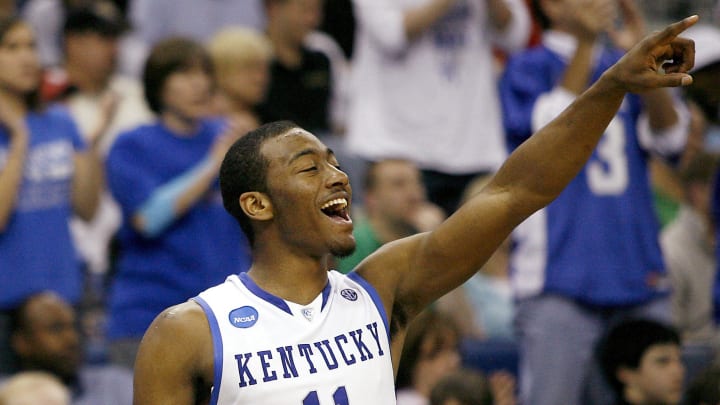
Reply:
x=179 y=333
x=187 y=311
x=176 y=347
x=187 y=318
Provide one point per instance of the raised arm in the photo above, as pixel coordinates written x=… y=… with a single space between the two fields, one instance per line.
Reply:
x=411 y=273
x=174 y=365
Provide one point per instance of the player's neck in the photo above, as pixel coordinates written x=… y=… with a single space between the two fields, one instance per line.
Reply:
x=291 y=278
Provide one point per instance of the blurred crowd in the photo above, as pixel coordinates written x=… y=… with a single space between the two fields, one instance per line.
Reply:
x=115 y=117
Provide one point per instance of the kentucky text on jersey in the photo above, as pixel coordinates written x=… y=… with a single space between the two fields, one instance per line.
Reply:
x=286 y=362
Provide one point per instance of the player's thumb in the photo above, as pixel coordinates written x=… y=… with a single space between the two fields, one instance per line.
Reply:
x=676 y=79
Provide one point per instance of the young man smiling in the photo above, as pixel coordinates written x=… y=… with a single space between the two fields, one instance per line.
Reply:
x=291 y=332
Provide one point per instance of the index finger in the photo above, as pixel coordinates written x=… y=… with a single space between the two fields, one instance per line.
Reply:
x=673 y=30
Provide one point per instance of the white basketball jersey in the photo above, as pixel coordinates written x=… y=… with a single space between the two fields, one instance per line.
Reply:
x=333 y=351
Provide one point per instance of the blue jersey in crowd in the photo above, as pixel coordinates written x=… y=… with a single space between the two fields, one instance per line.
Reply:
x=198 y=250
x=36 y=250
x=598 y=242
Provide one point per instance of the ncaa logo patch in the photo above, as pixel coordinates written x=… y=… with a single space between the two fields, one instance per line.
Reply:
x=349 y=294
x=243 y=317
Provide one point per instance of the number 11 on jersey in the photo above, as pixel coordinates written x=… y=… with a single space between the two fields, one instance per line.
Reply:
x=339 y=397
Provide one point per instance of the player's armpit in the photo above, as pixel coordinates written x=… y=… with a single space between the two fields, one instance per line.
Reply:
x=175 y=353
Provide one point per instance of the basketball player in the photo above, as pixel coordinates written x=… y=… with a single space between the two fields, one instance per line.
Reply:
x=291 y=332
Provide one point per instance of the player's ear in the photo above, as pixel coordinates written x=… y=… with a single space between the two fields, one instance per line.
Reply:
x=256 y=205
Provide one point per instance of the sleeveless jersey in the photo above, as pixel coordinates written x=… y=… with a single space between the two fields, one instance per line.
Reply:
x=267 y=351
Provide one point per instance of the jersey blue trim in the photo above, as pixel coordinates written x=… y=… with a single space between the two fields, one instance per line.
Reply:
x=375 y=297
x=262 y=294
x=217 y=349
x=325 y=294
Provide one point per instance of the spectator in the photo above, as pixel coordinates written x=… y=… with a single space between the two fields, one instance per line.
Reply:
x=593 y=255
x=687 y=245
x=34 y=388
x=164 y=177
x=47 y=18
x=641 y=360
x=301 y=86
x=241 y=59
x=46 y=338
x=47 y=172
x=102 y=103
x=424 y=86
x=431 y=351
x=395 y=207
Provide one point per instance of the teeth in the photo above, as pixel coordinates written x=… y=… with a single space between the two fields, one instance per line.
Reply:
x=338 y=201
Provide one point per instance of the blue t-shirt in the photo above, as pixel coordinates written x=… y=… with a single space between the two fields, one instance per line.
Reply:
x=36 y=250
x=598 y=241
x=198 y=250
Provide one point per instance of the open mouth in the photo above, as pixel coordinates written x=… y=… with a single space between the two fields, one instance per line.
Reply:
x=336 y=209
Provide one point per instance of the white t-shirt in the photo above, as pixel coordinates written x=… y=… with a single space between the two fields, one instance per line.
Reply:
x=433 y=100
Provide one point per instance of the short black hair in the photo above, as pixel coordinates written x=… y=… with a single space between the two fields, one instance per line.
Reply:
x=169 y=56
x=625 y=344
x=244 y=169
x=101 y=17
